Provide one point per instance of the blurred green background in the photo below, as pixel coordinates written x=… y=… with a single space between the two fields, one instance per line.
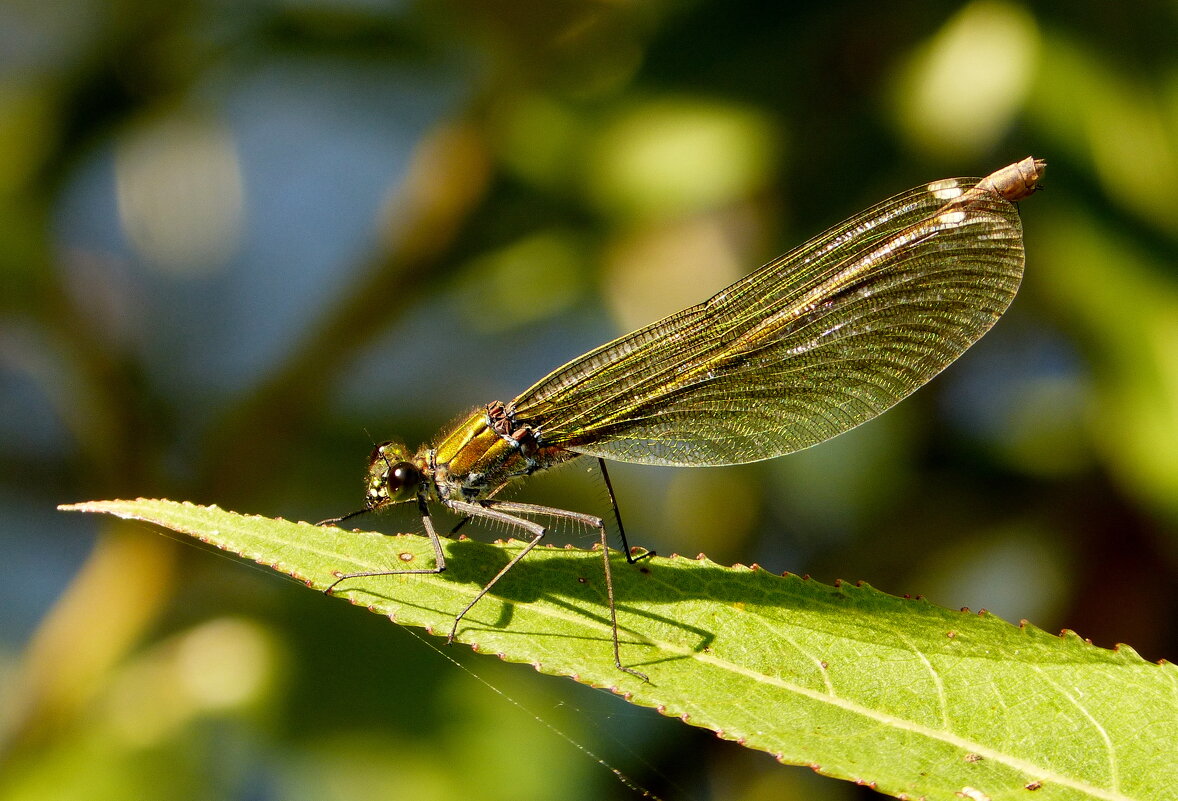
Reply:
x=235 y=238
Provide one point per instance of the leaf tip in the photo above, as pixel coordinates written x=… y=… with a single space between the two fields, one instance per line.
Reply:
x=82 y=506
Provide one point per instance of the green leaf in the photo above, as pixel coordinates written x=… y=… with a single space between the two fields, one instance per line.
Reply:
x=915 y=700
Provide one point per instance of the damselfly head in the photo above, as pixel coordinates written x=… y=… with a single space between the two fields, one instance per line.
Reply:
x=392 y=477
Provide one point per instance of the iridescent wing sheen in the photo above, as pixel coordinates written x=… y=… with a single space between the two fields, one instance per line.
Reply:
x=811 y=345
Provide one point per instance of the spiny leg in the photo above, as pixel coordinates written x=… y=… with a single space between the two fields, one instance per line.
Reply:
x=439 y=556
x=335 y=521
x=466 y=519
x=585 y=519
x=472 y=510
x=613 y=501
x=498 y=510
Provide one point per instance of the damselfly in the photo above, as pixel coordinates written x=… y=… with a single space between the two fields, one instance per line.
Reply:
x=811 y=345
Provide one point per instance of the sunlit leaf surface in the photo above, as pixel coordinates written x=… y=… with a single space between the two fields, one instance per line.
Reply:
x=897 y=693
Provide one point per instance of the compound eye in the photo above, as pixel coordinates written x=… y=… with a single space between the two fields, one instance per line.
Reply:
x=392 y=478
x=402 y=476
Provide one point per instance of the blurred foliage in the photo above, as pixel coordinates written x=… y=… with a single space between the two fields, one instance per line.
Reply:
x=233 y=237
